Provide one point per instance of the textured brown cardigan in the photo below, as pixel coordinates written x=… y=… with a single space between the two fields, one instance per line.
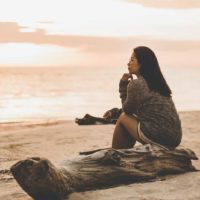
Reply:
x=159 y=120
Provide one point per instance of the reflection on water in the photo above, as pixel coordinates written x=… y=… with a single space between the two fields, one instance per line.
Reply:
x=27 y=94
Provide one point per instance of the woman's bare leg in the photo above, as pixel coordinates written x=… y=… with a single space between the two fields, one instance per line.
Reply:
x=126 y=132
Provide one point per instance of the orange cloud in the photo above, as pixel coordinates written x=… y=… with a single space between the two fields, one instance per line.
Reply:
x=114 y=50
x=168 y=4
x=11 y=33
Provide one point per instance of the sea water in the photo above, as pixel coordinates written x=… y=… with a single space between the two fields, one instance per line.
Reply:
x=32 y=93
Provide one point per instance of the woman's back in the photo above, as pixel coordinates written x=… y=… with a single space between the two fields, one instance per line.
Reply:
x=157 y=114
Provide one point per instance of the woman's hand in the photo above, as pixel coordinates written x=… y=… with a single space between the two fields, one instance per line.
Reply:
x=126 y=77
x=107 y=115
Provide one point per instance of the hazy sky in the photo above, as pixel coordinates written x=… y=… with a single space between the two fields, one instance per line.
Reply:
x=98 y=32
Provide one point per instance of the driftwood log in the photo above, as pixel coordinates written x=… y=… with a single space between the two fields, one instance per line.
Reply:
x=104 y=168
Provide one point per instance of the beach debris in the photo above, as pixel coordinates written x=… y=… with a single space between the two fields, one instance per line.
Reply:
x=92 y=120
x=5 y=175
x=98 y=169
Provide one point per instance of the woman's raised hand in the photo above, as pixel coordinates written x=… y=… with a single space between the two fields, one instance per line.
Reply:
x=126 y=77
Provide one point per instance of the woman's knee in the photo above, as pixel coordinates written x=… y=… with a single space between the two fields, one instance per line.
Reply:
x=125 y=117
x=130 y=123
x=122 y=117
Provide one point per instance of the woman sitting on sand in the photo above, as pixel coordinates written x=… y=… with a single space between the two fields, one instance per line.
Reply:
x=149 y=114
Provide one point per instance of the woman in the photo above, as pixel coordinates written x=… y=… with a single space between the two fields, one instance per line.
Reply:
x=149 y=114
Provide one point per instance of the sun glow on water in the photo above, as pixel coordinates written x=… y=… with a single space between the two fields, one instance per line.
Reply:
x=67 y=93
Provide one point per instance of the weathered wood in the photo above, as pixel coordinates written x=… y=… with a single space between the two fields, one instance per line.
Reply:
x=104 y=168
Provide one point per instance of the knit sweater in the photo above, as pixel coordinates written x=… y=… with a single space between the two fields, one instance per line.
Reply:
x=159 y=120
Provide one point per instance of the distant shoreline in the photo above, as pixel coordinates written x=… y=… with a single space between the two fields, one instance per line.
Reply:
x=31 y=123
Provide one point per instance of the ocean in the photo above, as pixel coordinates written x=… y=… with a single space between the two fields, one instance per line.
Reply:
x=32 y=93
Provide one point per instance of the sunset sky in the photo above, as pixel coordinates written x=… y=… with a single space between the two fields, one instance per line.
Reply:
x=98 y=32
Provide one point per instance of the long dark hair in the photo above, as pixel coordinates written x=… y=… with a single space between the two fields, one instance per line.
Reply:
x=150 y=70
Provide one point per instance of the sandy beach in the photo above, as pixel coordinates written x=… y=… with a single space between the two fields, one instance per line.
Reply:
x=62 y=140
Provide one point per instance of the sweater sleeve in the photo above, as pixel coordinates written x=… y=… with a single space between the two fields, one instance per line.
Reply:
x=137 y=92
x=116 y=112
x=123 y=89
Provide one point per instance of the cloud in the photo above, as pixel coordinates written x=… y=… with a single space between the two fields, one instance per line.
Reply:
x=168 y=4
x=45 y=22
x=11 y=32
x=114 y=50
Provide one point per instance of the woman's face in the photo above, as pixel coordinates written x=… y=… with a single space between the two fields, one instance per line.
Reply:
x=133 y=65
